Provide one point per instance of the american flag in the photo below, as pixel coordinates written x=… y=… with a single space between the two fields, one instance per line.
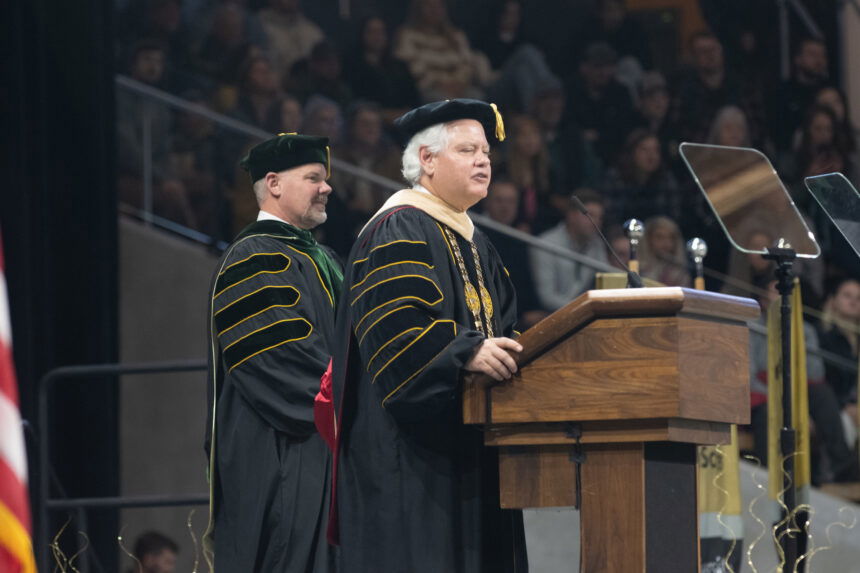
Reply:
x=16 y=546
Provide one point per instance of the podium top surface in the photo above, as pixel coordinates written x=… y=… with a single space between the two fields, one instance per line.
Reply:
x=658 y=301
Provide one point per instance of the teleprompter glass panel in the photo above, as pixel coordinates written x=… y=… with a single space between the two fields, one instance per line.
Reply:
x=840 y=200
x=749 y=199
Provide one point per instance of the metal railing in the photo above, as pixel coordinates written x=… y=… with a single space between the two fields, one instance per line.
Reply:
x=46 y=503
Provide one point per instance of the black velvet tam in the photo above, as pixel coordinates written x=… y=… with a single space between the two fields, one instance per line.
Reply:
x=286 y=151
x=438 y=112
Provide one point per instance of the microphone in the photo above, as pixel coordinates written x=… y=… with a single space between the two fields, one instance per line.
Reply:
x=633 y=279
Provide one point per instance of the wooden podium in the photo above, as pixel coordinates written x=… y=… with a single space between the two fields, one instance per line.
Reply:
x=634 y=379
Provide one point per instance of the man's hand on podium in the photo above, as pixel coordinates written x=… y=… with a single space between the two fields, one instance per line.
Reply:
x=493 y=359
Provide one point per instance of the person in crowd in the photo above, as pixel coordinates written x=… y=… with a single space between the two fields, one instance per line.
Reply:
x=375 y=75
x=225 y=93
x=822 y=147
x=639 y=186
x=730 y=127
x=746 y=270
x=289 y=117
x=611 y=23
x=271 y=319
x=161 y=20
x=653 y=108
x=559 y=280
x=833 y=99
x=429 y=301
x=620 y=243
x=439 y=55
x=224 y=43
x=840 y=334
x=366 y=147
x=823 y=405
x=135 y=115
x=155 y=553
x=197 y=158
x=502 y=206
x=324 y=116
x=662 y=254
x=204 y=14
x=259 y=95
x=707 y=87
x=519 y=68
x=572 y=156
x=598 y=104
x=502 y=33
x=320 y=74
x=290 y=36
x=526 y=163
x=795 y=96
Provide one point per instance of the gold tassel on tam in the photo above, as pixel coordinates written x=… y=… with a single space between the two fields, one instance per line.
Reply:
x=500 y=123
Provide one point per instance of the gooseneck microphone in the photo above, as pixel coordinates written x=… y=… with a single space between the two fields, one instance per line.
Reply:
x=633 y=279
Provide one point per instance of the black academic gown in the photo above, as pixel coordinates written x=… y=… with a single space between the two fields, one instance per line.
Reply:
x=417 y=490
x=269 y=468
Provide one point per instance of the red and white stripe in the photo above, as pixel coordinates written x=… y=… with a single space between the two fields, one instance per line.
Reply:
x=16 y=552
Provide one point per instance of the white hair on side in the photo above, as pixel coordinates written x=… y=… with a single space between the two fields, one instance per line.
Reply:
x=260 y=191
x=435 y=138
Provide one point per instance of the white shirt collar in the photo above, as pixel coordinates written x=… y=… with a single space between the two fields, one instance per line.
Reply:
x=266 y=216
x=421 y=188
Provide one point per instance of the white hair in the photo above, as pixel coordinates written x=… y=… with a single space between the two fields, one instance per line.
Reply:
x=260 y=190
x=435 y=138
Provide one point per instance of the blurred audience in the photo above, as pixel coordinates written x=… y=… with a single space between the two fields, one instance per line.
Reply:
x=750 y=269
x=792 y=99
x=662 y=254
x=597 y=103
x=289 y=115
x=611 y=23
x=259 y=96
x=573 y=157
x=639 y=185
x=320 y=74
x=706 y=87
x=374 y=74
x=144 y=128
x=822 y=148
x=290 y=36
x=560 y=280
x=730 y=127
x=323 y=117
x=502 y=206
x=840 y=334
x=439 y=55
x=366 y=147
x=526 y=162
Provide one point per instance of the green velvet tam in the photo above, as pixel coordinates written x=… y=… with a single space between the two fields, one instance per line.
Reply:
x=438 y=112
x=286 y=151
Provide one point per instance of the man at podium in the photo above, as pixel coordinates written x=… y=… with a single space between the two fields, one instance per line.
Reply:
x=427 y=299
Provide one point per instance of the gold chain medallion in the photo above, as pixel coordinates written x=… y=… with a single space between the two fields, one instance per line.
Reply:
x=487 y=301
x=474 y=302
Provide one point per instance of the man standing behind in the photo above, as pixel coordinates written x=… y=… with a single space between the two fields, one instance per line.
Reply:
x=272 y=307
x=427 y=300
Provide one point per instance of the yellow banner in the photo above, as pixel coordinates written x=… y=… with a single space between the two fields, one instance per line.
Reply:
x=719 y=479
